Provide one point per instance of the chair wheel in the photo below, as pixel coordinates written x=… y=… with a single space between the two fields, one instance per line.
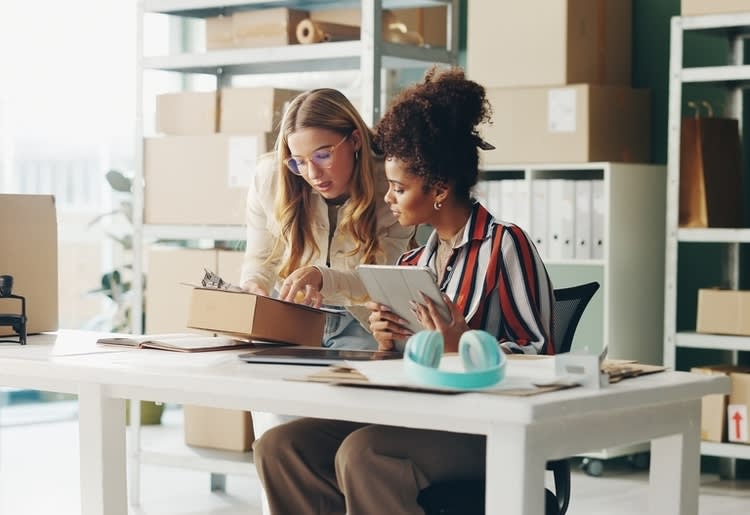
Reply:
x=592 y=467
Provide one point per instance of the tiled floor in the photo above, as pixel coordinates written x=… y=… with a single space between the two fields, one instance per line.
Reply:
x=39 y=475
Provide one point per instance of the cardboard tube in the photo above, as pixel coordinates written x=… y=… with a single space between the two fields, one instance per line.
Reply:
x=309 y=31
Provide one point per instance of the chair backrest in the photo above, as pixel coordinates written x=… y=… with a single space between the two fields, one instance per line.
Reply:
x=569 y=306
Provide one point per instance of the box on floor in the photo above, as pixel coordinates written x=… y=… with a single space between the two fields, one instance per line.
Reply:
x=200 y=179
x=218 y=428
x=512 y=44
x=577 y=123
x=701 y=7
x=28 y=235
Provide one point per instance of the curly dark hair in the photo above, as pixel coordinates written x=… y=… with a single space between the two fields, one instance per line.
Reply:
x=431 y=126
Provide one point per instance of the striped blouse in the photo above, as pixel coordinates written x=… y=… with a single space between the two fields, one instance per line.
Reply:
x=497 y=278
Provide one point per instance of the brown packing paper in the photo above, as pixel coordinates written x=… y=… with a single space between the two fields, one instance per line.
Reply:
x=710 y=173
x=309 y=31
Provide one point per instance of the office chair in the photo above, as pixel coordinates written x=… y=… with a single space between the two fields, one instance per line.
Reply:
x=466 y=497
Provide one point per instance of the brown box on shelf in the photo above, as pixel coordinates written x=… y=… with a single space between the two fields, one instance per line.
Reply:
x=723 y=312
x=200 y=179
x=254 y=316
x=246 y=110
x=578 y=123
x=700 y=7
x=266 y=27
x=187 y=113
x=167 y=299
x=219 y=33
x=738 y=407
x=28 y=236
x=218 y=428
x=714 y=407
x=576 y=41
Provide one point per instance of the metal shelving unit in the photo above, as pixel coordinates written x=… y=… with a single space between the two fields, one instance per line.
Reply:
x=370 y=56
x=734 y=77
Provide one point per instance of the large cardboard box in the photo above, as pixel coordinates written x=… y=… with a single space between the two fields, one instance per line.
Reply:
x=252 y=110
x=254 y=316
x=28 y=252
x=167 y=299
x=511 y=43
x=700 y=7
x=579 y=123
x=218 y=428
x=723 y=312
x=266 y=27
x=187 y=113
x=714 y=407
x=200 y=179
x=739 y=407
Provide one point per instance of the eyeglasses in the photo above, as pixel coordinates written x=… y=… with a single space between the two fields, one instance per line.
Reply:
x=322 y=158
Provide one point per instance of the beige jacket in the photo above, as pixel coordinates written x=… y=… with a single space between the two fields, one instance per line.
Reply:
x=341 y=285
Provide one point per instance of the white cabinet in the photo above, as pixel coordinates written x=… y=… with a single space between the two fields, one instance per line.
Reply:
x=680 y=288
x=368 y=57
x=628 y=206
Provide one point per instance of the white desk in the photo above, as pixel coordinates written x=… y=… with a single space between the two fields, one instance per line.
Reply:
x=522 y=433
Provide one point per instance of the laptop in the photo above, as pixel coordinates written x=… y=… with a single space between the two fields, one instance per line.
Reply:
x=315 y=356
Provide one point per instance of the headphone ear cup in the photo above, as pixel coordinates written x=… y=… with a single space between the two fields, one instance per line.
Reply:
x=425 y=348
x=479 y=350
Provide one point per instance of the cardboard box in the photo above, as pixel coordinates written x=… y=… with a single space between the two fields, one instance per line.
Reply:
x=187 y=113
x=579 y=123
x=510 y=44
x=723 y=312
x=739 y=407
x=701 y=7
x=219 y=33
x=200 y=179
x=28 y=252
x=167 y=300
x=714 y=407
x=429 y=22
x=218 y=428
x=254 y=316
x=266 y=27
x=251 y=110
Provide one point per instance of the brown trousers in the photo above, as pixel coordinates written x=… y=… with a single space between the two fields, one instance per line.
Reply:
x=314 y=466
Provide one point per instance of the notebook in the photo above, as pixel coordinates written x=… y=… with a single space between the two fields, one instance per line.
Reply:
x=177 y=342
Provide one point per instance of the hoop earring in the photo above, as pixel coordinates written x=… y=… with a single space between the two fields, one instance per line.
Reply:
x=437 y=205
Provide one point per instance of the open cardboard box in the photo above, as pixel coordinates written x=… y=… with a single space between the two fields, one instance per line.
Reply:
x=244 y=314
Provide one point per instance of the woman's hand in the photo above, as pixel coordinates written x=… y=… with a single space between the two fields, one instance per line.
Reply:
x=386 y=327
x=303 y=286
x=253 y=287
x=432 y=320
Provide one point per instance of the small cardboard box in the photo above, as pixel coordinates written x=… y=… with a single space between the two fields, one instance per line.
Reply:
x=713 y=407
x=187 y=113
x=571 y=124
x=28 y=252
x=255 y=316
x=266 y=27
x=218 y=428
x=200 y=179
x=511 y=44
x=252 y=110
x=723 y=312
x=739 y=407
x=701 y=7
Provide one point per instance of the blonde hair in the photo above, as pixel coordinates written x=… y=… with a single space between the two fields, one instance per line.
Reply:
x=325 y=109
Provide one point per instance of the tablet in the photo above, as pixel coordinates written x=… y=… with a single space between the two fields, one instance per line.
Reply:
x=396 y=286
x=317 y=356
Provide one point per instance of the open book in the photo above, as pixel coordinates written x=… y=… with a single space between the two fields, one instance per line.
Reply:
x=177 y=342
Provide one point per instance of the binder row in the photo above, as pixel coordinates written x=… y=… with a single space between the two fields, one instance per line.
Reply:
x=564 y=217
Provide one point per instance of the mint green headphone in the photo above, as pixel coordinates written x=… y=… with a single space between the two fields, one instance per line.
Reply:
x=483 y=361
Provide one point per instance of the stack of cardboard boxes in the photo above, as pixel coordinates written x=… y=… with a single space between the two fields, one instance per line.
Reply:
x=558 y=78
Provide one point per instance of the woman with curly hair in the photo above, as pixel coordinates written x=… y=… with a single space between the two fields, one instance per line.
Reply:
x=317 y=210
x=492 y=278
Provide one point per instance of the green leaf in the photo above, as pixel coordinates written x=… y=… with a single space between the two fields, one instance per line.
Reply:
x=118 y=181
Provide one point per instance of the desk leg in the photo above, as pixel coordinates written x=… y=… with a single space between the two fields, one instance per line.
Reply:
x=674 y=475
x=515 y=472
x=102 y=441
